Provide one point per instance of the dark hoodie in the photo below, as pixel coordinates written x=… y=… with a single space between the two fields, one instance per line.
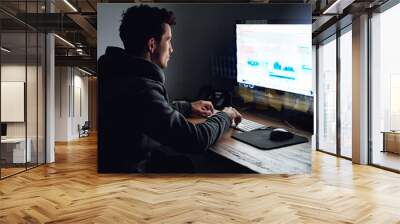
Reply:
x=136 y=117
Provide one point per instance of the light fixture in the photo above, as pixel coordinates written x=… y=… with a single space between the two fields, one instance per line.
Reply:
x=79 y=51
x=65 y=41
x=84 y=71
x=329 y=9
x=337 y=7
x=70 y=5
x=5 y=50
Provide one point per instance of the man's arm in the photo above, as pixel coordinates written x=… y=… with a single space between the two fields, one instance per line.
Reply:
x=183 y=107
x=171 y=128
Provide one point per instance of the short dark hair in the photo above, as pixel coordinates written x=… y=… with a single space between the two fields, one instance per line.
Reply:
x=140 y=23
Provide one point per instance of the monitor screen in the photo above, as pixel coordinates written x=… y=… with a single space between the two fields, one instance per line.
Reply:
x=276 y=56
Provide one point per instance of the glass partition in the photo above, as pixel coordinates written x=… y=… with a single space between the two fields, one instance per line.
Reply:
x=32 y=95
x=41 y=91
x=32 y=84
x=22 y=77
x=15 y=151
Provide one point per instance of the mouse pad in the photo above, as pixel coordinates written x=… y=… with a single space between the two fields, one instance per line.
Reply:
x=260 y=139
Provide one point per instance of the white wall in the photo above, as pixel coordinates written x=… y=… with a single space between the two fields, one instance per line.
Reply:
x=61 y=103
x=17 y=72
x=71 y=102
x=80 y=112
x=13 y=72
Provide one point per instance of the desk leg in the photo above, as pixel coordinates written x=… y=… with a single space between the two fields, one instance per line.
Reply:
x=384 y=143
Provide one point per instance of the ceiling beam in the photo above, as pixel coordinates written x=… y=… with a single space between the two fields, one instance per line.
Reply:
x=84 y=61
x=86 y=27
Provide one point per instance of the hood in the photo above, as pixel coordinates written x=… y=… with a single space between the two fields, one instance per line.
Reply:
x=117 y=62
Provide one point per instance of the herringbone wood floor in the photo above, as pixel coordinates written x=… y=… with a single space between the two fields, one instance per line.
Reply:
x=71 y=191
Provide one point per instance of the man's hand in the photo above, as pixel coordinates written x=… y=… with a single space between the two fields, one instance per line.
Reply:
x=202 y=108
x=235 y=116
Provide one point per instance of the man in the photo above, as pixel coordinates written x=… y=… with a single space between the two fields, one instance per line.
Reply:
x=139 y=130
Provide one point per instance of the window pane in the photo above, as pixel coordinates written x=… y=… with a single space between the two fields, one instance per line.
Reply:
x=327 y=97
x=346 y=94
x=386 y=88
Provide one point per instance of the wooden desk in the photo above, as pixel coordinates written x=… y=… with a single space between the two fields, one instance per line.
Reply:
x=295 y=159
x=391 y=141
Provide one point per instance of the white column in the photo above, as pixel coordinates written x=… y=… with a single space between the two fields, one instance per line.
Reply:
x=360 y=90
x=62 y=103
x=50 y=92
x=314 y=80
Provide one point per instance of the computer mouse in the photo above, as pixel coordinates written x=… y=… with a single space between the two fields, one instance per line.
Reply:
x=280 y=134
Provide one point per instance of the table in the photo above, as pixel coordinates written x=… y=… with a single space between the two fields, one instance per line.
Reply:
x=295 y=159
x=391 y=141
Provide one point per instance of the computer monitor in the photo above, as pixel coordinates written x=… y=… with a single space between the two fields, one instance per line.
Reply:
x=3 y=129
x=275 y=56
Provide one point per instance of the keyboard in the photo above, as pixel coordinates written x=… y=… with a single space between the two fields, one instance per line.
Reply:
x=248 y=125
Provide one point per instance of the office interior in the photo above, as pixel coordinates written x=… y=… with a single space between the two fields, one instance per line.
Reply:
x=58 y=71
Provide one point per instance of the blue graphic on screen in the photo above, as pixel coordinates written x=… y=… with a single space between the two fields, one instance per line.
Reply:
x=253 y=63
x=277 y=66
x=276 y=56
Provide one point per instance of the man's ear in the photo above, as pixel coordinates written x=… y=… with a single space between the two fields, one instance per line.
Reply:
x=151 y=45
